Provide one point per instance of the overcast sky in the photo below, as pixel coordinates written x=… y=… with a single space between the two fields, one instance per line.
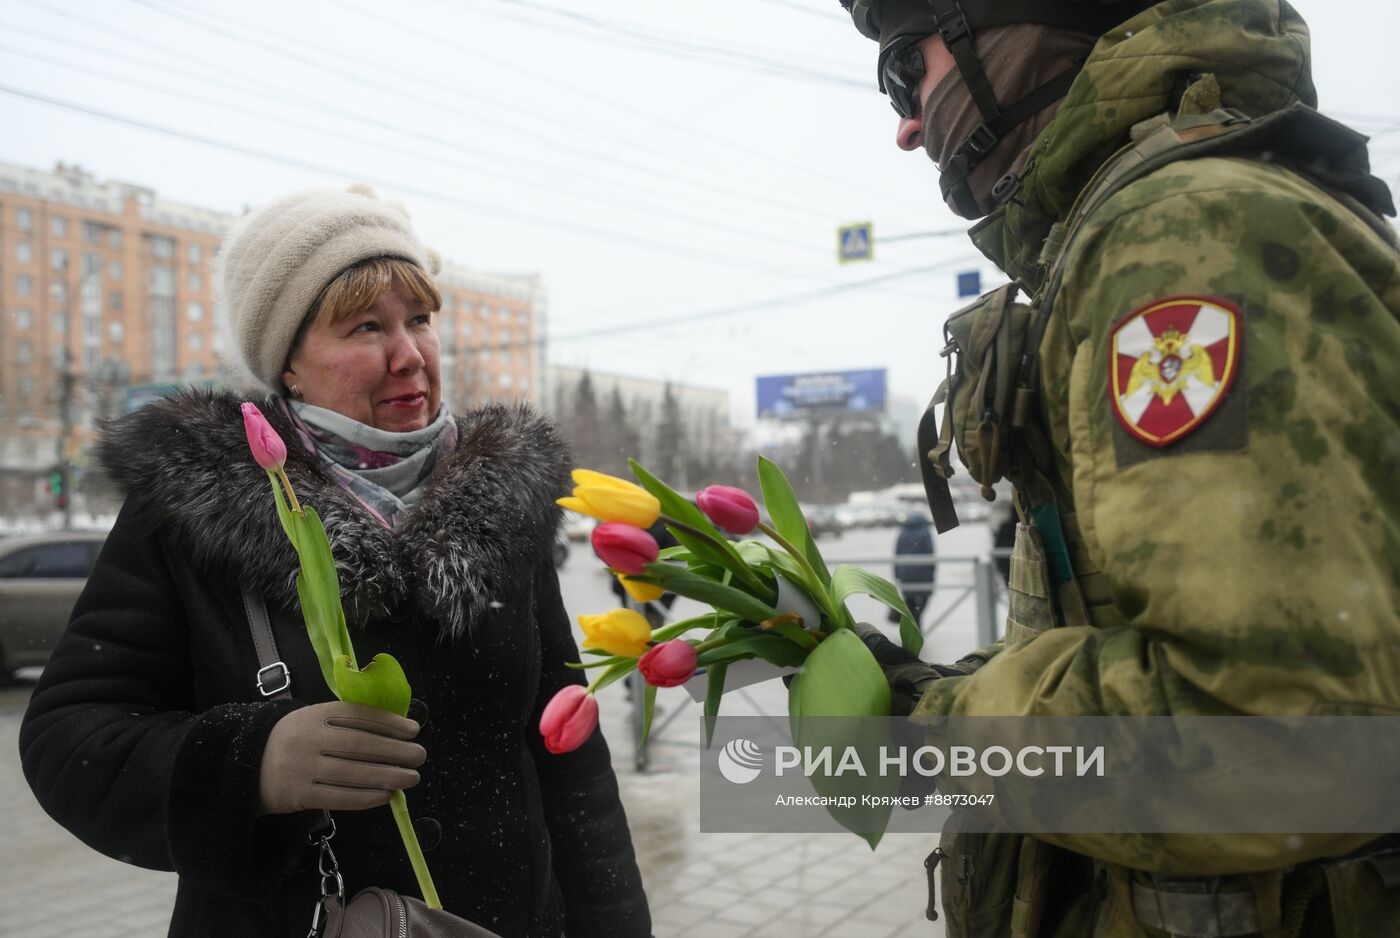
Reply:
x=650 y=160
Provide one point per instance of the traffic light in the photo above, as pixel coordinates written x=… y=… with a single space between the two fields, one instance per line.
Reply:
x=58 y=486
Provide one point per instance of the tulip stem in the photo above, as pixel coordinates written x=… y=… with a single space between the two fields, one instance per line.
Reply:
x=291 y=495
x=813 y=580
x=743 y=571
x=399 y=805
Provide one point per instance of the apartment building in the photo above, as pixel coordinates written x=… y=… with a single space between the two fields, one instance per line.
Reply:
x=107 y=299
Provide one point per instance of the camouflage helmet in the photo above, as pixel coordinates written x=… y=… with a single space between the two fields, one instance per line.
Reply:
x=900 y=24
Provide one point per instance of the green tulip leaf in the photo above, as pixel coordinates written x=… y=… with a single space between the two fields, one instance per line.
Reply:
x=709 y=620
x=675 y=553
x=381 y=684
x=842 y=679
x=788 y=520
x=648 y=709
x=693 y=586
x=714 y=690
x=847 y=581
x=615 y=672
x=771 y=648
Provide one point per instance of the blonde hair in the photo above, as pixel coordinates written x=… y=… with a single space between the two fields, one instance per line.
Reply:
x=360 y=286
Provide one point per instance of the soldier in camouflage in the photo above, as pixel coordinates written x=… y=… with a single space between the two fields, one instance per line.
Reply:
x=1208 y=445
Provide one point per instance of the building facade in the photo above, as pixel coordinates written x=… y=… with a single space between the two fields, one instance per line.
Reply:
x=107 y=298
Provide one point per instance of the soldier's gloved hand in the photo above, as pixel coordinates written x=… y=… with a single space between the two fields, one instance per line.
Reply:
x=337 y=756
x=907 y=674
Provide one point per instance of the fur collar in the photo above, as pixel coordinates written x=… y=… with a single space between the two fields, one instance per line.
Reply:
x=485 y=519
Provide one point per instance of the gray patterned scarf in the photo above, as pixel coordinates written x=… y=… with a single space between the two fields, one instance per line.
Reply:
x=384 y=471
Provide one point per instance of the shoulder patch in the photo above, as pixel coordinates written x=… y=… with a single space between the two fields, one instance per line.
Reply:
x=1171 y=364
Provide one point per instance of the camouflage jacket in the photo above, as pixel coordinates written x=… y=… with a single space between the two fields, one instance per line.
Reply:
x=1251 y=564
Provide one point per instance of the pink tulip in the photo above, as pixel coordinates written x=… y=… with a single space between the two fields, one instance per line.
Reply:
x=730 y=508
x=568 y=719
x=623 y=547
x=268 y=448
x=668 y=664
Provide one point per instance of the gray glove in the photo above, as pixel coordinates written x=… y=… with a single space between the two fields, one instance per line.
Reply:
x=337 y=756
x=907 y=674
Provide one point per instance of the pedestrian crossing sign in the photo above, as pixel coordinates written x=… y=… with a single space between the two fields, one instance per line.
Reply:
x=855 y=242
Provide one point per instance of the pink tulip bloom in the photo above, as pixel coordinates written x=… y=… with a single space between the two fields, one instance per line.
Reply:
x=623 y=547
x=731 y=509
x=568 y=719
x=268 y=448
x=668 y=664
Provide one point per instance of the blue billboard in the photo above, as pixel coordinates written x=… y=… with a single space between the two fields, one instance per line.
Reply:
x=822 y=393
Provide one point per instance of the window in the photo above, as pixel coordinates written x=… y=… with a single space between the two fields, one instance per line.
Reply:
x=59 y=226
x=68 y=560
x=507 y=381
x=91 y=358
x=24 y=352
x=59 y=291
x=58 y=259
x=196 y=341
x=26 y=388
x=24 y=318
x=114 y=332
x=60 y=323
x=194 y=253
x=24 y=285
x=163 y=281
x=24 y=219
x=92 y=265
x=114 y=301
x=194 y=282
x=194 y=312
x=114 y=238
x=24 y=252
x=466 y=329
x=162 y=247
x=92 y=232
x=114 y=270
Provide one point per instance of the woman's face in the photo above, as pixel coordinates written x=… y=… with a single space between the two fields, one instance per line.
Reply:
x=379 y=367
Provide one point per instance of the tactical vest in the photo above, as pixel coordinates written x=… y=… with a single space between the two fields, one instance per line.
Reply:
x=995 y=885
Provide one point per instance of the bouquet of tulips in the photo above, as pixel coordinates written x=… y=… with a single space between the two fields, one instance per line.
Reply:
x=772 y=599
x=381 y=683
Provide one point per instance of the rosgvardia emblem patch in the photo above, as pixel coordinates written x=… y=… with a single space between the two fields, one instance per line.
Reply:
x=1171 y=364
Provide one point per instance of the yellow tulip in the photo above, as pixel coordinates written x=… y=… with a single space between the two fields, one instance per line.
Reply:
x=620 y=632
x=640 y=592
x=608 y=498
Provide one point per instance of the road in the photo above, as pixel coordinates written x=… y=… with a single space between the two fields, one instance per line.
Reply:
x=700 y=885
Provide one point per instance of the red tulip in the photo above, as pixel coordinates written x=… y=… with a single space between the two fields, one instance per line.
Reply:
x=568 y=719
x=268 y=448
x=730 y=508
x=668 y=664
x=623 y=547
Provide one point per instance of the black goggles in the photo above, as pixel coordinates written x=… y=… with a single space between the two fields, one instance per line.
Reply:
x=901 y=70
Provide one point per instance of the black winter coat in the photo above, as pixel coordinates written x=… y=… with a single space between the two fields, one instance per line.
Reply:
x=145 y=734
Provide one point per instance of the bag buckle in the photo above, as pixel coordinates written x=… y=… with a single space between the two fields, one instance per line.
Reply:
x=332 y=884
x=274 y=671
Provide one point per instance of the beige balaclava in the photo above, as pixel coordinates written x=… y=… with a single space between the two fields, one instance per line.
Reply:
x=1017 y=59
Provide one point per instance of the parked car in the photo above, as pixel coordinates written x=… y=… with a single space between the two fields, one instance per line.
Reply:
x=41 y=576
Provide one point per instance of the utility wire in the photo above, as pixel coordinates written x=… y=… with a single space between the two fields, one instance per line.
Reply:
x=386 y=143
x=297 y=53
x=807 y=8
x=528 y=218
x=774 y=302
x=848 y=182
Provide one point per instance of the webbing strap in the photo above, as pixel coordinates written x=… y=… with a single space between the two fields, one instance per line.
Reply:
x=1196 y=913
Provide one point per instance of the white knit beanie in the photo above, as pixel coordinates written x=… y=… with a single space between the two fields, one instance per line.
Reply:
x=276 y=261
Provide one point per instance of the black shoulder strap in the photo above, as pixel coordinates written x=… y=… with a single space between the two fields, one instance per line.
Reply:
x=274 y=678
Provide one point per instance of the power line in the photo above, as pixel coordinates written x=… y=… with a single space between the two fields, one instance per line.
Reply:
x=612 y=101
x=809 y=10
x=298 y=55
x=549 y=223
x=662 y=322
x=386 y=144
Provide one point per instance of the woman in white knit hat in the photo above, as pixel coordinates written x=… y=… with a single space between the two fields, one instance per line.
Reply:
x=153 y=736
